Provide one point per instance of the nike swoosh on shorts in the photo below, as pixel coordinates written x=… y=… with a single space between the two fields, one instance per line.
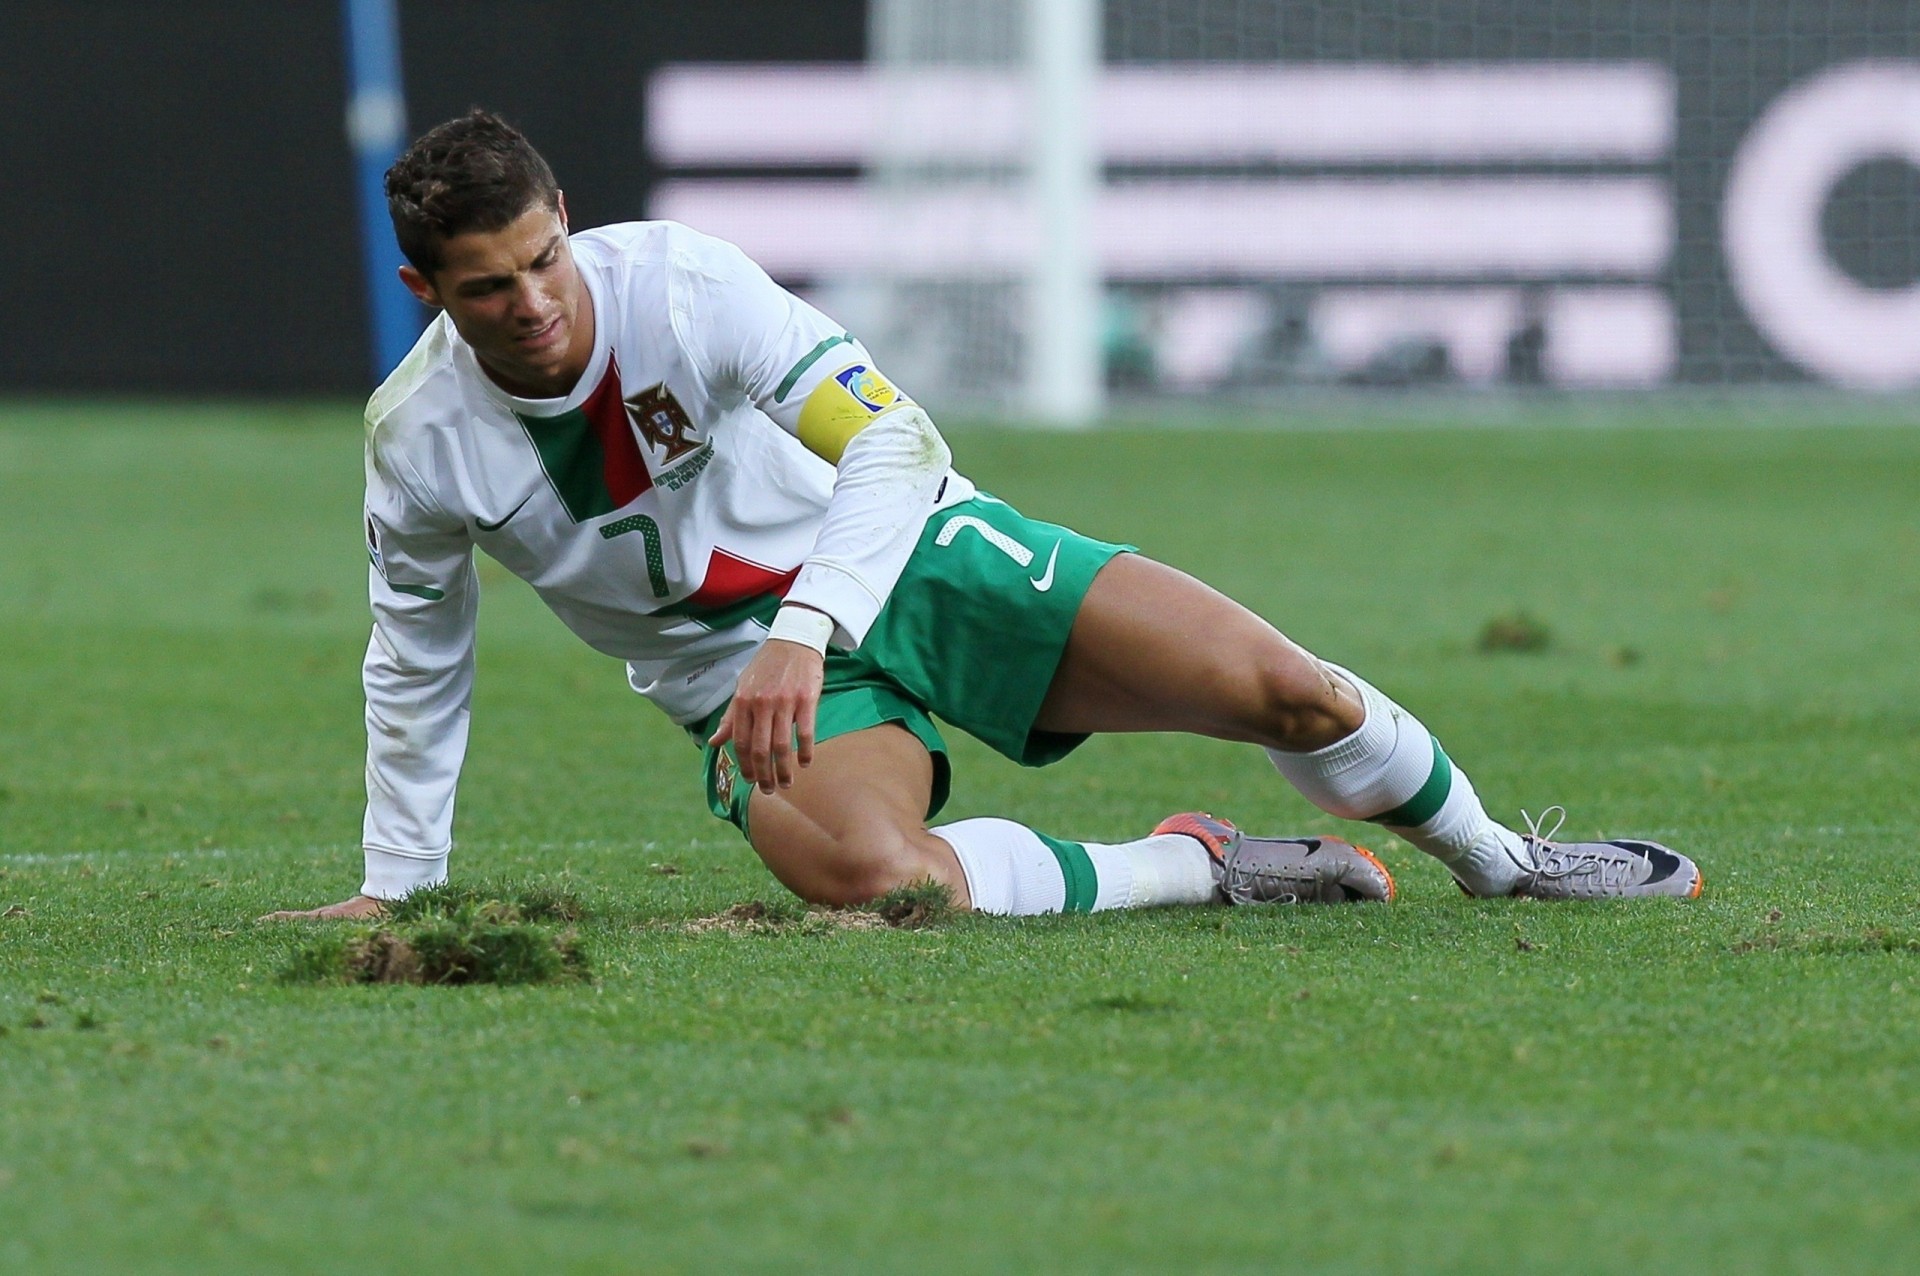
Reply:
x=1046 y=578
x=485 y=526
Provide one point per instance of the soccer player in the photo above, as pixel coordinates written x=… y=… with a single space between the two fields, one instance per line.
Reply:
x=704 y=476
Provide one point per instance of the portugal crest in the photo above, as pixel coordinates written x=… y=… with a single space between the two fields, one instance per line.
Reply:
x=662 y=422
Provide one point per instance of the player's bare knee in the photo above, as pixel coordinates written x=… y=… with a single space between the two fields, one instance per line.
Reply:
x=1304 y=706
x=863 y=866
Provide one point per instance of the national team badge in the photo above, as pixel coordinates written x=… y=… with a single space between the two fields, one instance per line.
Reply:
x=868 y=388
x=723 y=773
x=662 y=422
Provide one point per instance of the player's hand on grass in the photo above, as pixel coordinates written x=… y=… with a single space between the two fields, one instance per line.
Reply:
x=777 y=699
x=347 y=910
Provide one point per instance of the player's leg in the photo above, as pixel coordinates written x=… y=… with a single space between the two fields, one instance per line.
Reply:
x=853 y=827
x=974 y=632
x=1153 y=649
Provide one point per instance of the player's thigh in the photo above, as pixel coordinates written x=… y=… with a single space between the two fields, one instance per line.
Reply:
x=1154 y=649
x=853 y=826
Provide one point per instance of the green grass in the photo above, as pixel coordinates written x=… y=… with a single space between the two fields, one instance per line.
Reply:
x=1439 y=1085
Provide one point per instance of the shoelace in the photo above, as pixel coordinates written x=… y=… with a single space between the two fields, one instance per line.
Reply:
x=1240 y=882
x=1552 y=862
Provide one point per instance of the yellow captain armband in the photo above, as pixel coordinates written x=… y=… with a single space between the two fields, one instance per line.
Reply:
x=841 y=406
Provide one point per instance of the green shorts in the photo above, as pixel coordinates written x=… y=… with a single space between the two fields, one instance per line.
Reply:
x=973 y=633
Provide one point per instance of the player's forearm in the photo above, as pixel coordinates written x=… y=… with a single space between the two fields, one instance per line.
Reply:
x=417 y=715
x=888 y=479
x=413 y=773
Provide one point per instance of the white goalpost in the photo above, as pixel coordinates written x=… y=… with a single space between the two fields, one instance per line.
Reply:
x=1064 y=372
x=1013 y=325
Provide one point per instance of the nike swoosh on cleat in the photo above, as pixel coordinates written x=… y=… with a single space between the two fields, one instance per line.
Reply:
x=1045 y=581
x=485 y=526
x=1665 y=863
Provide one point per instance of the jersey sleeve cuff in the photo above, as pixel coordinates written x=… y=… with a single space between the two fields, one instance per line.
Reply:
x=393 y=874
x=842 y=595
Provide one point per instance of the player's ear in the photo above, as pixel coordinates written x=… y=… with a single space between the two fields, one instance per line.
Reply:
x=420 y=286
x=560 y=201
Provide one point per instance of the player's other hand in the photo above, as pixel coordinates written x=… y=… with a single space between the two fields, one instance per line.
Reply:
x=347 y=910
x=778 y=696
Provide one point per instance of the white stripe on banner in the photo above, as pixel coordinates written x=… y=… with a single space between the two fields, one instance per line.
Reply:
x=1361 y=228
x=1616 y=112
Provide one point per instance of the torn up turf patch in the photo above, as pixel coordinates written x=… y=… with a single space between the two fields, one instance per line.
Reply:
x=913 y=906
x=1516 y=631
x=483 y=942
x=788 y=917
x=536 y=903
x=904 y=908
x=1875 y=940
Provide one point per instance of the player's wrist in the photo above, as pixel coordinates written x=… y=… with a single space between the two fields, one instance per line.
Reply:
x=798 y=623
x=393 y=875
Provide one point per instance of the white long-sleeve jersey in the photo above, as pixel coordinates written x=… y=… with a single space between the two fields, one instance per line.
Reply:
x=662 y=509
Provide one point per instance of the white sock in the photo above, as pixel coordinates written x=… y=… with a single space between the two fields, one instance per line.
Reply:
x=1013 y=871
x=1392 y=772
x=1170 y=868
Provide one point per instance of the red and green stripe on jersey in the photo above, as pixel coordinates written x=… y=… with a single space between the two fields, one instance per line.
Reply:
x=590 y=454
x=734 y=590
x=593 y=460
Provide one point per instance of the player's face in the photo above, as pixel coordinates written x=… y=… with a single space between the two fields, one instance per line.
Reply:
x=515 y=296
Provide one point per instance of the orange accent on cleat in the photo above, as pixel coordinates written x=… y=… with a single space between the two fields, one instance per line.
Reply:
x=1211 y=831
x=1699 y=883
x=1392 y=890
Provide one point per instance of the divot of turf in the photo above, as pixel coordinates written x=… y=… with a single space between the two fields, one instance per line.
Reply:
x=534 y=903
x=911 y=907
x=758 y=917
x=451 y=936
x=914 y=906
x=1871 y=941
x=1128 y=1003
x=1515 y=631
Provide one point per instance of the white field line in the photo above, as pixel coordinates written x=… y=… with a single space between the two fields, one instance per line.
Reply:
x=348 y=852
x=561 y=848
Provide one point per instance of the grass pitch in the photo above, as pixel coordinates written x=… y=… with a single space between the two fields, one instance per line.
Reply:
x=1720 y=653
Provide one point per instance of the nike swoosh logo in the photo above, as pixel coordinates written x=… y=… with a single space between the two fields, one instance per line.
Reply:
x=485 y=526
x=1045 y=581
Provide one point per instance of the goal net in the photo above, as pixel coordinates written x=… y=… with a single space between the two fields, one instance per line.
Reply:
x=1032 y=204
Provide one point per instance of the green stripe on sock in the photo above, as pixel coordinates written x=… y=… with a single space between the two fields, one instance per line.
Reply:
x=1077 y=867
x=1425 y=804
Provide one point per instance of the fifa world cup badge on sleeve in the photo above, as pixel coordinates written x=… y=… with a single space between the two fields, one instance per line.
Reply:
x=842 y=406
x=868 y=388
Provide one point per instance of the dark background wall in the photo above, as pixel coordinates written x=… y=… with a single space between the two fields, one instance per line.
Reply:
x=1730 y=58
x=177 y=213
x=177 y=210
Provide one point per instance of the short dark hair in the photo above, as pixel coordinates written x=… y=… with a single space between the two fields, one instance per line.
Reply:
x=477 y=172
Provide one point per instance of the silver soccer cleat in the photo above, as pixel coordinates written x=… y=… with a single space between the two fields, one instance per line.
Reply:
x=1625 y=869
x=1292 y=870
